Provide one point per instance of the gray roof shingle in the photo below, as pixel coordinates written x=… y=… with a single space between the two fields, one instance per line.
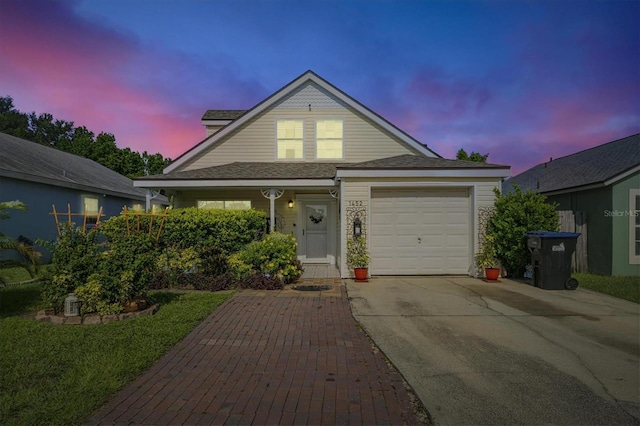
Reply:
x=588 y=167
x=26 y=160
x=223 y=114
x=284 y=170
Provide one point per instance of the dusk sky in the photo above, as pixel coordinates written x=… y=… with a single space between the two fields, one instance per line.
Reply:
x=522 y=81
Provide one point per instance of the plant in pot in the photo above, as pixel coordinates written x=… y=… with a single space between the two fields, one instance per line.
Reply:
x=358 y=257
x=487 y=258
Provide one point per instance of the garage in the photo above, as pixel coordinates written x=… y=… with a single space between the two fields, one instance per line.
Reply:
x=417 y=231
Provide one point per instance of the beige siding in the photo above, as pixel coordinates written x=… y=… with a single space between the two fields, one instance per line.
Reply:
x=357 y=195
x=256 y=141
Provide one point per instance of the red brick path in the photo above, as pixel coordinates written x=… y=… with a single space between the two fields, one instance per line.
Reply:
x=268 y=360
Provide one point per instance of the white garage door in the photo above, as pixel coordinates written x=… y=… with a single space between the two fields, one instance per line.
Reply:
x=420 y=231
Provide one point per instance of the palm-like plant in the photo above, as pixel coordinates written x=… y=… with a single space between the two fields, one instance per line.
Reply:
x=29 y=257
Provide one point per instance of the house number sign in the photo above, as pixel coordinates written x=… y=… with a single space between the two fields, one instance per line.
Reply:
x=355 y=203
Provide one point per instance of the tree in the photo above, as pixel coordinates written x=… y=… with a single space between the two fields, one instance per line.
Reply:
x=28 y=256
x=514 y=215
x=474 y=156
x=63 y=135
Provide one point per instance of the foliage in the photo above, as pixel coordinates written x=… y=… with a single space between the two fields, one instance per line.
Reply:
x=260 y=281
x=107 y=278
x=514 y=215
x=238 y=269
x=75 y=257
x=474 y=156
x=59 y=375
x=63 y=135
x=178 y=260
x=228 y=230
x=274 y=256
x=487 y=257
x=29 y=257
x=357 y=253
x=626 y=288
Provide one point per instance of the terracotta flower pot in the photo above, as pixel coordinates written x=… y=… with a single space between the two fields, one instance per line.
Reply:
x=361 y=274
x=492 y=274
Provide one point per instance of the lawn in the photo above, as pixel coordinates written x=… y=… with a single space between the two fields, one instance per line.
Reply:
x=16 y=275
x=627 y=288
x=61 y=374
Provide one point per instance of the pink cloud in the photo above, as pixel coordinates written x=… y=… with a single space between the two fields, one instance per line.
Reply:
x=55 y=61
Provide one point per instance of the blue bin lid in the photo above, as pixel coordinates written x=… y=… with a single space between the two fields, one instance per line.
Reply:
x=550 y=234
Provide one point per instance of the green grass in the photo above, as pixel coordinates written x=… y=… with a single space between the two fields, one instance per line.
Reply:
x=627 y=288
x=61 y=374
x=17 y=274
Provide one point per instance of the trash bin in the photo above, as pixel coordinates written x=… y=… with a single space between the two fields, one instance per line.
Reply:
x=551 y=259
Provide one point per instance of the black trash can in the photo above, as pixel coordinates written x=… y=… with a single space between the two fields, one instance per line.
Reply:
x=551 y=259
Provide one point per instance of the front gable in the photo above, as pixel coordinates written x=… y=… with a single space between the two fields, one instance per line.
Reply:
x=308 y=103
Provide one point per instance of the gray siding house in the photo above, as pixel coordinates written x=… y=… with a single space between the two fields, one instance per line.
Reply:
x=603 y=182
x=41 y=177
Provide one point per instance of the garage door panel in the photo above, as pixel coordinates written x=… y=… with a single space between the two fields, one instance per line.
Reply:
x=420 y=231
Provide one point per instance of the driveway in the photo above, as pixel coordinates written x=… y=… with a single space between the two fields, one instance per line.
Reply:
x=507 y=353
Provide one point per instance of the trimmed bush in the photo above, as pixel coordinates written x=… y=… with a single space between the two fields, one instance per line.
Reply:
x=274 y=257
x=513 y=216
x=228 y=230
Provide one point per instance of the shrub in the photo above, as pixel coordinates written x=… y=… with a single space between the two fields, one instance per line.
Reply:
x=228 y=230
x=75 y=256
x=513 y=216
x=274 y=256
x=106 y=276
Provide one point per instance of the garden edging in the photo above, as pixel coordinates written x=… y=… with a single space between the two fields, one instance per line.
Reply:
x=48 y=316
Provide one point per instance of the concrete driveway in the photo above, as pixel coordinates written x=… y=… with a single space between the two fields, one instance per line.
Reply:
x=507 y=353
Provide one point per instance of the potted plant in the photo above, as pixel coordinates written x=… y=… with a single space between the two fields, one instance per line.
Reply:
x=487 y=258
x=358 y=257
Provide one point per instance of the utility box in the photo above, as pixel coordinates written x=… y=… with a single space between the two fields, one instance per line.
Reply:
x=551 y=254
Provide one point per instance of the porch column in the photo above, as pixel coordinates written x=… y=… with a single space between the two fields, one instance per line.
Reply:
x=148 y=200
x=272 y=194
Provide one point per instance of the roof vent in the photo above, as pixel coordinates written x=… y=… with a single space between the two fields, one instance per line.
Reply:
x=64 y=173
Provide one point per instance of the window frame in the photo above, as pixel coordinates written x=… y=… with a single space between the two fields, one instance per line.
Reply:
x=224 y=204
x=92 y=216
x=328 y=139
x=277 y=140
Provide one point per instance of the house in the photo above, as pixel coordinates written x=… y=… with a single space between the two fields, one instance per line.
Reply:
x=325 y=167
x=603 y=182
x=42 y=176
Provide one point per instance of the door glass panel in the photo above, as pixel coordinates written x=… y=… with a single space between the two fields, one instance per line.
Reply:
x=316 y=217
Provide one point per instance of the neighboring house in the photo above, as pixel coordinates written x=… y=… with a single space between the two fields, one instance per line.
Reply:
x=321 y=164
x=604 y=183
x=41 y=177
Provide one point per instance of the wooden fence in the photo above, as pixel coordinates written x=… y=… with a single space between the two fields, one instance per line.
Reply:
x=571 y=221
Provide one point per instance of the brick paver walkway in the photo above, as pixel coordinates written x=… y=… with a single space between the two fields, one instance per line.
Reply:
x=268 y=359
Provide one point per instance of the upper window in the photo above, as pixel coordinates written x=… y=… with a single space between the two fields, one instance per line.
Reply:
x=227 y=205
x=329 y=139
x=290 y=139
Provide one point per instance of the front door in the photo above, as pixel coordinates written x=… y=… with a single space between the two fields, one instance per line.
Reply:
x=316 y=218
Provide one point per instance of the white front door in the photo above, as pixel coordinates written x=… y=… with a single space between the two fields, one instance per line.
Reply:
x=316 y=218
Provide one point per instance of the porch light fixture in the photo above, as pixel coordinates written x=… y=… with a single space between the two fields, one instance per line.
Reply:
x=357 y=228
x=290 y=204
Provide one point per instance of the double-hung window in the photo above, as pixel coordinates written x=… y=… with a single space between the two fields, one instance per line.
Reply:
x=289 y=139
x=329 y=143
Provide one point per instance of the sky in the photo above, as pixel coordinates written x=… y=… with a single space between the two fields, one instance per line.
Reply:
x=523 y=81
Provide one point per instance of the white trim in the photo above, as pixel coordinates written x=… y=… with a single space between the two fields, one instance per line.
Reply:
x=382 y=173
x=216 y=122
x=308 y=76
x=292 y=183
x=622 y=175
x=633 y=210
